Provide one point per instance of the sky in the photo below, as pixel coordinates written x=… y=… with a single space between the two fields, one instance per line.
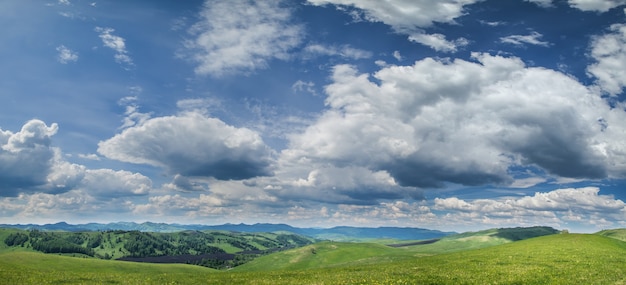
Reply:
x=441 y=114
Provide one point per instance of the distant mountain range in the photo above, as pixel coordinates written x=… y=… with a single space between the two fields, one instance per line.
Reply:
x=335 y=233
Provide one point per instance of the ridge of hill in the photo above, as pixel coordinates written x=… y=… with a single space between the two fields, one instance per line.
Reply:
x=341 y=233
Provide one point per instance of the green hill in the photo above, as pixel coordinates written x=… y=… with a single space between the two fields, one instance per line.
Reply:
x=553 y=259
x=217 y=249
x=481 y=239
x=619 y=234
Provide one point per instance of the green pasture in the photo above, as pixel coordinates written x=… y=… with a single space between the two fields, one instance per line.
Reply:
x=553 y=259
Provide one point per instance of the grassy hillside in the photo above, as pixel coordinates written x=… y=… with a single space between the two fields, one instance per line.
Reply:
x=23 y=267
x=481 y=239
x=554 y=259
x=619 y=234
x=326 y=254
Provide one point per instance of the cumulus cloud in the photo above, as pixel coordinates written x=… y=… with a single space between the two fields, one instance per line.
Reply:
x=456 y=121
x=30 y=165
x=192 y=144
x=405 y=15
x=596 y=5
x=520 y=40
x=410 y=17
x=26 y=157
x=117 y=44
x=609 y=53
x=241 y=36
x=66 y=55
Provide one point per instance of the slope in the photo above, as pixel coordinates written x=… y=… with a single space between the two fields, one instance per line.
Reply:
x=326 y=254
x=553 y=259
x=481 y=239
x=619 y=234
x=24 y=267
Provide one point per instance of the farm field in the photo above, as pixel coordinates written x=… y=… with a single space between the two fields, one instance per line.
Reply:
x=551 y=259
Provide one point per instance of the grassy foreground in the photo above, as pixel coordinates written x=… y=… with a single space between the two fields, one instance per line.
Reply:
x=554 y=259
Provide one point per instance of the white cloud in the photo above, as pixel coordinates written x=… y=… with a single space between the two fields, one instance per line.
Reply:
x=596 y=5
x=609 y=53
x=26 y=157
x=132 y=114
x=110 y=183
x=242 y=36
x=301 y=86
x=191 y=145
x=203 y=206
x=455 y=121
x=542 y=3
x=200 y=105
x=116 y=43
x=397 y=56
x=405 y=16
x=66 y=55
x=410 y=17
x=89 y=156
x=558 y=208
x=438 y=42
x=520 y=40
x=29 y=165
x=345 y=51
x=492 y=24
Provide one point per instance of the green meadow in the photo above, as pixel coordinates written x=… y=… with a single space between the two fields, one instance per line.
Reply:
x=549 y=259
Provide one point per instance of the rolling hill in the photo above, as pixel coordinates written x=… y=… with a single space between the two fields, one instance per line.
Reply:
x=551 y=259
x=481 y=239
x=619 y=234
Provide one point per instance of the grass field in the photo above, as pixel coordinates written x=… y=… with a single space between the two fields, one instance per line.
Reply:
x=553 y=259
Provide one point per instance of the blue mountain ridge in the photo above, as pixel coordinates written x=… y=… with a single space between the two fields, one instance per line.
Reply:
x=340 y=232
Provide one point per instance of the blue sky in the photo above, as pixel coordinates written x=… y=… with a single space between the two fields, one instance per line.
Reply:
x=452 y=115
